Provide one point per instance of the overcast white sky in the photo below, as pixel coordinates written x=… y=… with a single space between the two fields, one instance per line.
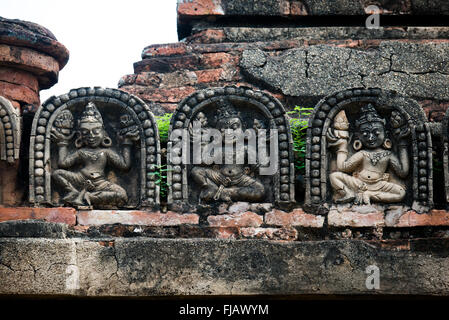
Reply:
x=104 y=37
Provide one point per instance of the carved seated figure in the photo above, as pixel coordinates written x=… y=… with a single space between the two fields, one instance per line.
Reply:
x=368 y=165
x=228 y=182
x=89 y=185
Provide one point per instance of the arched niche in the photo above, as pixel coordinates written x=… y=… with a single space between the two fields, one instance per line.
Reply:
x=123 y=116
x=10 y=131
x=255 y=109
x=395 y=109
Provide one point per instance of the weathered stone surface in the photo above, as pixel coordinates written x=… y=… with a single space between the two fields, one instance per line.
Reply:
x=307 y=7
x=363 y=216
x=168 y=267
x=295 y=218
x=243 y=219
x=99 y=217
x=33 y=229
x=413 y=69
x=57 y=215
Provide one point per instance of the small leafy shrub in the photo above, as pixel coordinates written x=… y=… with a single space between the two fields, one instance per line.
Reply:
x=299 y=118
x=163 y=124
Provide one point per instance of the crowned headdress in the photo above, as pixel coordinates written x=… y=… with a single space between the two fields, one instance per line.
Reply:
x=226 y=110
x=368 y=115
x=91 y=114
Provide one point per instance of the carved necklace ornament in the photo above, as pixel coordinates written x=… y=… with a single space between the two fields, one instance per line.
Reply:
x=375 y=157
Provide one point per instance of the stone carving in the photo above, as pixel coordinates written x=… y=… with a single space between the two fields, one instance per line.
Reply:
x=231 y=110
x=361 y=149
x=10 y=132
x=444 y=135
x=90 y=147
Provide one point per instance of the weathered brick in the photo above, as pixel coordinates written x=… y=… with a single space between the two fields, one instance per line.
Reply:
x=208 y=36
x=162 y=95
x=288 y=234
x=164 y=50
x=433 y=218
x=295 y=218
x=57 y=215
x=351 y=217
x=19 y=92
x=218 y=59
x=244 y=219
x=209 y=76
x=167 y=64
x=199 y=8
x=99 y=217
x=19 y=77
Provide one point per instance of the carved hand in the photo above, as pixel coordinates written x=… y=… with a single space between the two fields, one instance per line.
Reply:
x=129 y=137
x=336 y=140
x=60 y=137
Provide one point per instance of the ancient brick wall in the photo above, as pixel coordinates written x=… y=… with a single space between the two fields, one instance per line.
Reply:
x=296 y=51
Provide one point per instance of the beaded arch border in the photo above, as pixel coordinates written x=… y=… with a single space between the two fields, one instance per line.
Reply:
x=267 y=104
x=40 y=178
x=316 y=151
x=10 y=131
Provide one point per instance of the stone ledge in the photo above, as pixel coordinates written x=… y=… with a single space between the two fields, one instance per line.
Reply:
x=242 y=219
x=56 y=215
x=296 y=218
x=353 y=217
x=129 y=217
x=180 y=267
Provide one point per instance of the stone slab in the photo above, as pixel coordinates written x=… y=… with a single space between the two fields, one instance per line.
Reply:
x=351 y=217
x=176 y=267
x=241 y=219
x=433 y=218
x=57 y=215
x=297 y=218
x=100 y=217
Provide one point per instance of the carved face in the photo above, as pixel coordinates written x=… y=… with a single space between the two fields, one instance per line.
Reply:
x=92 y=133
x=228 y=127
x=372 y=134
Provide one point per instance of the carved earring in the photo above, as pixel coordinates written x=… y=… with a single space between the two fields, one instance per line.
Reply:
x=357 y=145
x=107 y=142
x=79 y=142
x=387 y=144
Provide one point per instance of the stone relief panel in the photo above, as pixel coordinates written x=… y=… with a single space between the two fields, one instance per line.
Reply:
x=10 y=131
x=94 y=148
x=368 y=146
x=445 y=145
x=213 y=124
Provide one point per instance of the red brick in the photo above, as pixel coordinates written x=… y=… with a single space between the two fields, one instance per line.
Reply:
x=245 y=219
x=209 y=76
x=19 y=93
x=226 y=233
x=295 y=218
x=217 y=60
x=433 y=218
x=57 y=215
x=128 y=217
x=350 y=217
x=19 y=77
x=161 y=95
x=289 y=234
x=199 y=8
x=164 y=50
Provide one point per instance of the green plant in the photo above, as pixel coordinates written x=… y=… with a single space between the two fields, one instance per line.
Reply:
x=161 y=179
x=163 y=124
x=299 y=118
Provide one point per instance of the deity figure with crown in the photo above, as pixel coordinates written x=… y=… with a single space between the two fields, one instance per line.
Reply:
x=227 y=182
x=86 y=183
x=365 y=177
